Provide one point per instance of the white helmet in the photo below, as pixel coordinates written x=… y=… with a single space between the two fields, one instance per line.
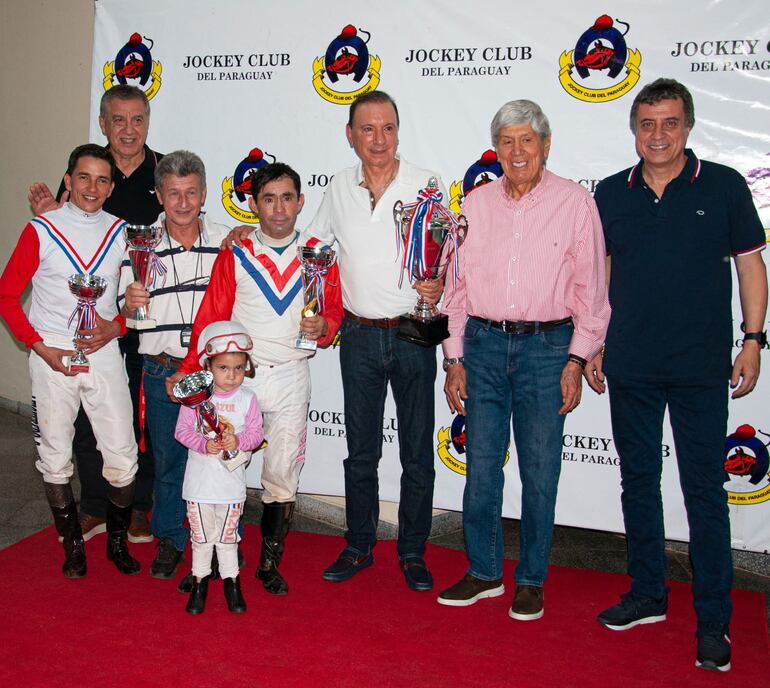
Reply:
x=221 y=337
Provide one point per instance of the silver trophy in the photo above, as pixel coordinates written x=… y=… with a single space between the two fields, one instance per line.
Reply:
x=142 y=240
x=315 y=262
x=430 y=235
x=195 y=390
x=87 y=288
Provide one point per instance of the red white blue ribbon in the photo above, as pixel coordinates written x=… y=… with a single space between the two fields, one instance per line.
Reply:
x=158 y=271
x=85 y=312
x=314 y=280
x=415 y=262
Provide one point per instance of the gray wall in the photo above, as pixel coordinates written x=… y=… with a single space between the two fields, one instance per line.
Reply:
x=45 y=63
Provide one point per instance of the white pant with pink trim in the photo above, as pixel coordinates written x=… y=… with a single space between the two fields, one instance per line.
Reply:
x=214 y=525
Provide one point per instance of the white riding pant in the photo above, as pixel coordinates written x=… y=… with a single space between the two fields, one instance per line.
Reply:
x=103 y=392
x=283 y=393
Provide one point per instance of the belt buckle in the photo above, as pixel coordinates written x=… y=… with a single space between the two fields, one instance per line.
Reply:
x=518 y=327
x=508 y=326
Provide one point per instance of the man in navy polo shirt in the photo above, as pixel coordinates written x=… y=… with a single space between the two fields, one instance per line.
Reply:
x=672 y=222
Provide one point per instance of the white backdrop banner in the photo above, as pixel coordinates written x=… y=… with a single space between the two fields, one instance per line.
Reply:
x=245 y=82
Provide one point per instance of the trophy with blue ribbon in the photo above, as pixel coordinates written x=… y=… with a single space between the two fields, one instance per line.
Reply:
x=147 y=268
x=430 y=235
x=87 y=288
x=315 y=262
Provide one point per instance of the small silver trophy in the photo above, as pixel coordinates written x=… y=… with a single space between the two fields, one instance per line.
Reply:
x=195 y=390
x=315 y=262
x=427 y=231
x=87 y=288
x=142 y=240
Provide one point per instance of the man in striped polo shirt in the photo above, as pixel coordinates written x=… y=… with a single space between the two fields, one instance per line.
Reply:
x=185 y=257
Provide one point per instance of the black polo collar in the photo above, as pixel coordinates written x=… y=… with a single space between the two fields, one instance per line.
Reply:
x=690 y=172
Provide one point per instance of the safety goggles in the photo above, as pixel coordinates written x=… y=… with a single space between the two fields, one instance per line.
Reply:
x=226 y=343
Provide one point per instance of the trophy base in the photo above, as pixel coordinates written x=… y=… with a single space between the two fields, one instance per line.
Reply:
x=134 y=324
x=79 y=367
x=308 y=344
x=237 y=461
x=423 y=332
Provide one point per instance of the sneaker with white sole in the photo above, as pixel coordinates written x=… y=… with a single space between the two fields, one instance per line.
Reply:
x=633 y=610
x=714 y=647
x=469 y=590
x=90 y=526
x=139 y=529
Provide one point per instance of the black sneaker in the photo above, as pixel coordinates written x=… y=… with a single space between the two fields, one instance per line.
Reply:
x=166 y=560
x=633 y=610
x=713 y=647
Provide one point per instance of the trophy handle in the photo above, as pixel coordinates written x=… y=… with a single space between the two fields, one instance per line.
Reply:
x=398 y=207
x=455 y=237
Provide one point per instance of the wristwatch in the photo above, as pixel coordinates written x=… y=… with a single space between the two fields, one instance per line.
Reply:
x=452 y=361
x=760 y=337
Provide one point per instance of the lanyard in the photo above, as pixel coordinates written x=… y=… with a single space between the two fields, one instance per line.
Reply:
x=177 y=283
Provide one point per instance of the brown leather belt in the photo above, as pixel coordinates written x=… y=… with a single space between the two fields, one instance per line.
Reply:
x=166 y=360
x=382 y=323
x=523 y=326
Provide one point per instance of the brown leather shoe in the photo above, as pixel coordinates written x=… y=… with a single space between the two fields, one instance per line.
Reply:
x=469 y=590
x=90 y=526
x=527 y=603
x=139 y=530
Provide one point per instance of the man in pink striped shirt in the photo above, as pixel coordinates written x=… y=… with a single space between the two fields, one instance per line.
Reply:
x=528 y=310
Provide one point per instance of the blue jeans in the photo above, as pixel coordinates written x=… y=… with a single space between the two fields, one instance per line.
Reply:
x=698 y=415
x=170 y=457
x=512 y=377
x=370 y=358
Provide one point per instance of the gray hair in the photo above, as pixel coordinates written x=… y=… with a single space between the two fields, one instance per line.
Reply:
x=180 y=163
x=123 y=92
x=520 y=112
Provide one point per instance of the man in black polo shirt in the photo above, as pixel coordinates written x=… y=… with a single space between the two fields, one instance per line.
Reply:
x=672 y=222
x=124 y=118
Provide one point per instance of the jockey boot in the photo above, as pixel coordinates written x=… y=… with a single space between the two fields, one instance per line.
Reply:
x=276 y=519
x=118 y=521
x=65 y=518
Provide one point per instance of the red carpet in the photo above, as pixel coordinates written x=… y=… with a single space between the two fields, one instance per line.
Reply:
x=111 y=630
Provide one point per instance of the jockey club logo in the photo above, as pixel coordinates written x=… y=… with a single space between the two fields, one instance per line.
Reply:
x=747 y=463
x=486 y=169
x=454 y=438
x=338 y=74
x=134 y=64
x=239 y=185
x=600 y=55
